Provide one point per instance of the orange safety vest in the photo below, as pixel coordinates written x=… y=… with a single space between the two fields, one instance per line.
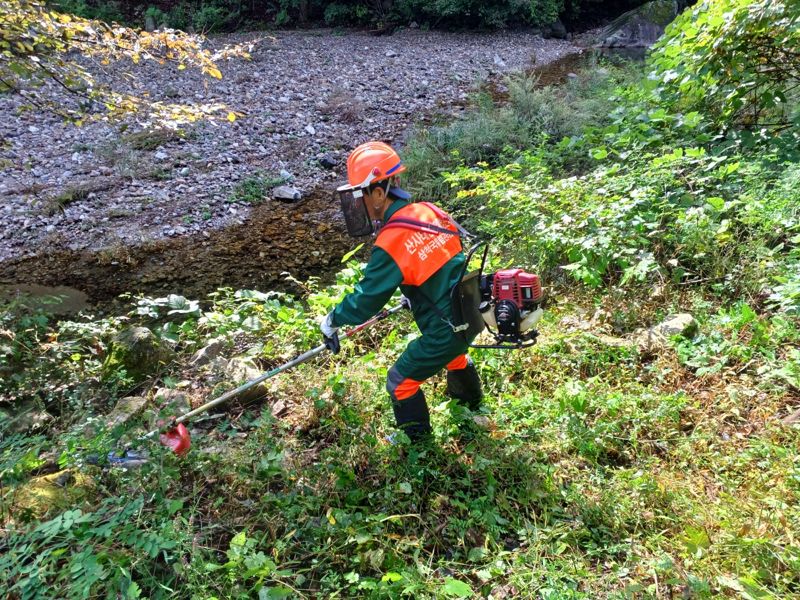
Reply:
x=419 y=254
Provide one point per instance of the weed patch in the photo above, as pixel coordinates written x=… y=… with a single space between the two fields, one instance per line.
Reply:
x=59 y=202
x=150 y=139
x=255 y=189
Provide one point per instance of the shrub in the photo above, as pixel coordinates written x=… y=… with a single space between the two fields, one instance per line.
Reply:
x=493 y=132
x=338 y=14
x=92 y=9
x=213 y=16
x=470 y=13
x=735 y=61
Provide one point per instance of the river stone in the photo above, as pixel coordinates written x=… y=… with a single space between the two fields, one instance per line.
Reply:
x=240 y=370
x=286 y=193
x=640 y=27
x=139 y=352
x=327 y=162
x=207 y=354
x=125 y=409
x=656 y=338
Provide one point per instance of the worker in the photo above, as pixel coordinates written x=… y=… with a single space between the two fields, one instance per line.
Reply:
x=417 y=249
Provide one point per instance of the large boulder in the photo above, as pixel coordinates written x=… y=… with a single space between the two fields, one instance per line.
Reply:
x=208 y=353
x=556 y=29
x=173 y=402
x=139 y=352
x=240 y=370
x=640 y=27
x=678 y=324
x=167 y=405
x=656 y=338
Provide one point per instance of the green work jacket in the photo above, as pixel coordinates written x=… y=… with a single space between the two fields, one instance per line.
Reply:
x=382 y=277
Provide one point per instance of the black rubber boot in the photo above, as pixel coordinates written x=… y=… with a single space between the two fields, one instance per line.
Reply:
x=412 y=416
x=465 y=386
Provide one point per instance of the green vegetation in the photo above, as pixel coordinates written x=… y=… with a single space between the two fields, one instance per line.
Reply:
x=63 y=199
x=617 y=470
x=255 y=189
x=152 y=138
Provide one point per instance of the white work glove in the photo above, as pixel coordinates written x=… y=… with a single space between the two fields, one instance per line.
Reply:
x=330 y=334
x=405 y=302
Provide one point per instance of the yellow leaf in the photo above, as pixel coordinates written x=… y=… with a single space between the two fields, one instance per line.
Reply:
x=214 y=72
x=231 y=117
x=181 y=67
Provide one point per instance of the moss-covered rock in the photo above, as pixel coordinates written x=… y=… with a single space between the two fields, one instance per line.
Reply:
x=57 y=491
x=139 y=352
x=640 y=27
x=126 y=409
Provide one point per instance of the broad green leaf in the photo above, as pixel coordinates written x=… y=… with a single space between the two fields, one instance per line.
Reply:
x=454 y=588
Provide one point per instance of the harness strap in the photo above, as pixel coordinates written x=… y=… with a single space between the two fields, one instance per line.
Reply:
x=421 y=226
x=415 y=225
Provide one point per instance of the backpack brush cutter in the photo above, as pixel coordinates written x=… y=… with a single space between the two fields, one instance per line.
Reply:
x=510 y=306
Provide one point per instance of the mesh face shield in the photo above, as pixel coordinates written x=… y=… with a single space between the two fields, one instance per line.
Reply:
x=355 y=212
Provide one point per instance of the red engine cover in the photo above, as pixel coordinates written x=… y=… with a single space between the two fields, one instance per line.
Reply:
x=524 y=289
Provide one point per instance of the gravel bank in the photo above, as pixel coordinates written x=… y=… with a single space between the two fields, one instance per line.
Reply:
x=305 y=96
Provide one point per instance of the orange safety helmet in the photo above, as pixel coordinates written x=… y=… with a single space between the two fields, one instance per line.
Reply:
x=372 y=162
x=368 y=164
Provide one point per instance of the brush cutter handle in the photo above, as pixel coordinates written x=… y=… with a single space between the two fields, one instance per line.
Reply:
x=285 y=367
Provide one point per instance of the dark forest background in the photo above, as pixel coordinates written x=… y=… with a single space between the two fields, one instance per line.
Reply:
x=226 y=15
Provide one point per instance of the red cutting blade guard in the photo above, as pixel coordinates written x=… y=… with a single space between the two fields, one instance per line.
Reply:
x=177 y=439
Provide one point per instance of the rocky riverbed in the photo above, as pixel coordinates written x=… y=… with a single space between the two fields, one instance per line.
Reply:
x=108 y=210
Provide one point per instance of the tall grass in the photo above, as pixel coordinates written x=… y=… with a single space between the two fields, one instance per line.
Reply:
x=527 y=115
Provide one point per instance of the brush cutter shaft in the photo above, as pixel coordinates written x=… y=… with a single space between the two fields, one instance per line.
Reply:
x=233 y=393
x=285 y=367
